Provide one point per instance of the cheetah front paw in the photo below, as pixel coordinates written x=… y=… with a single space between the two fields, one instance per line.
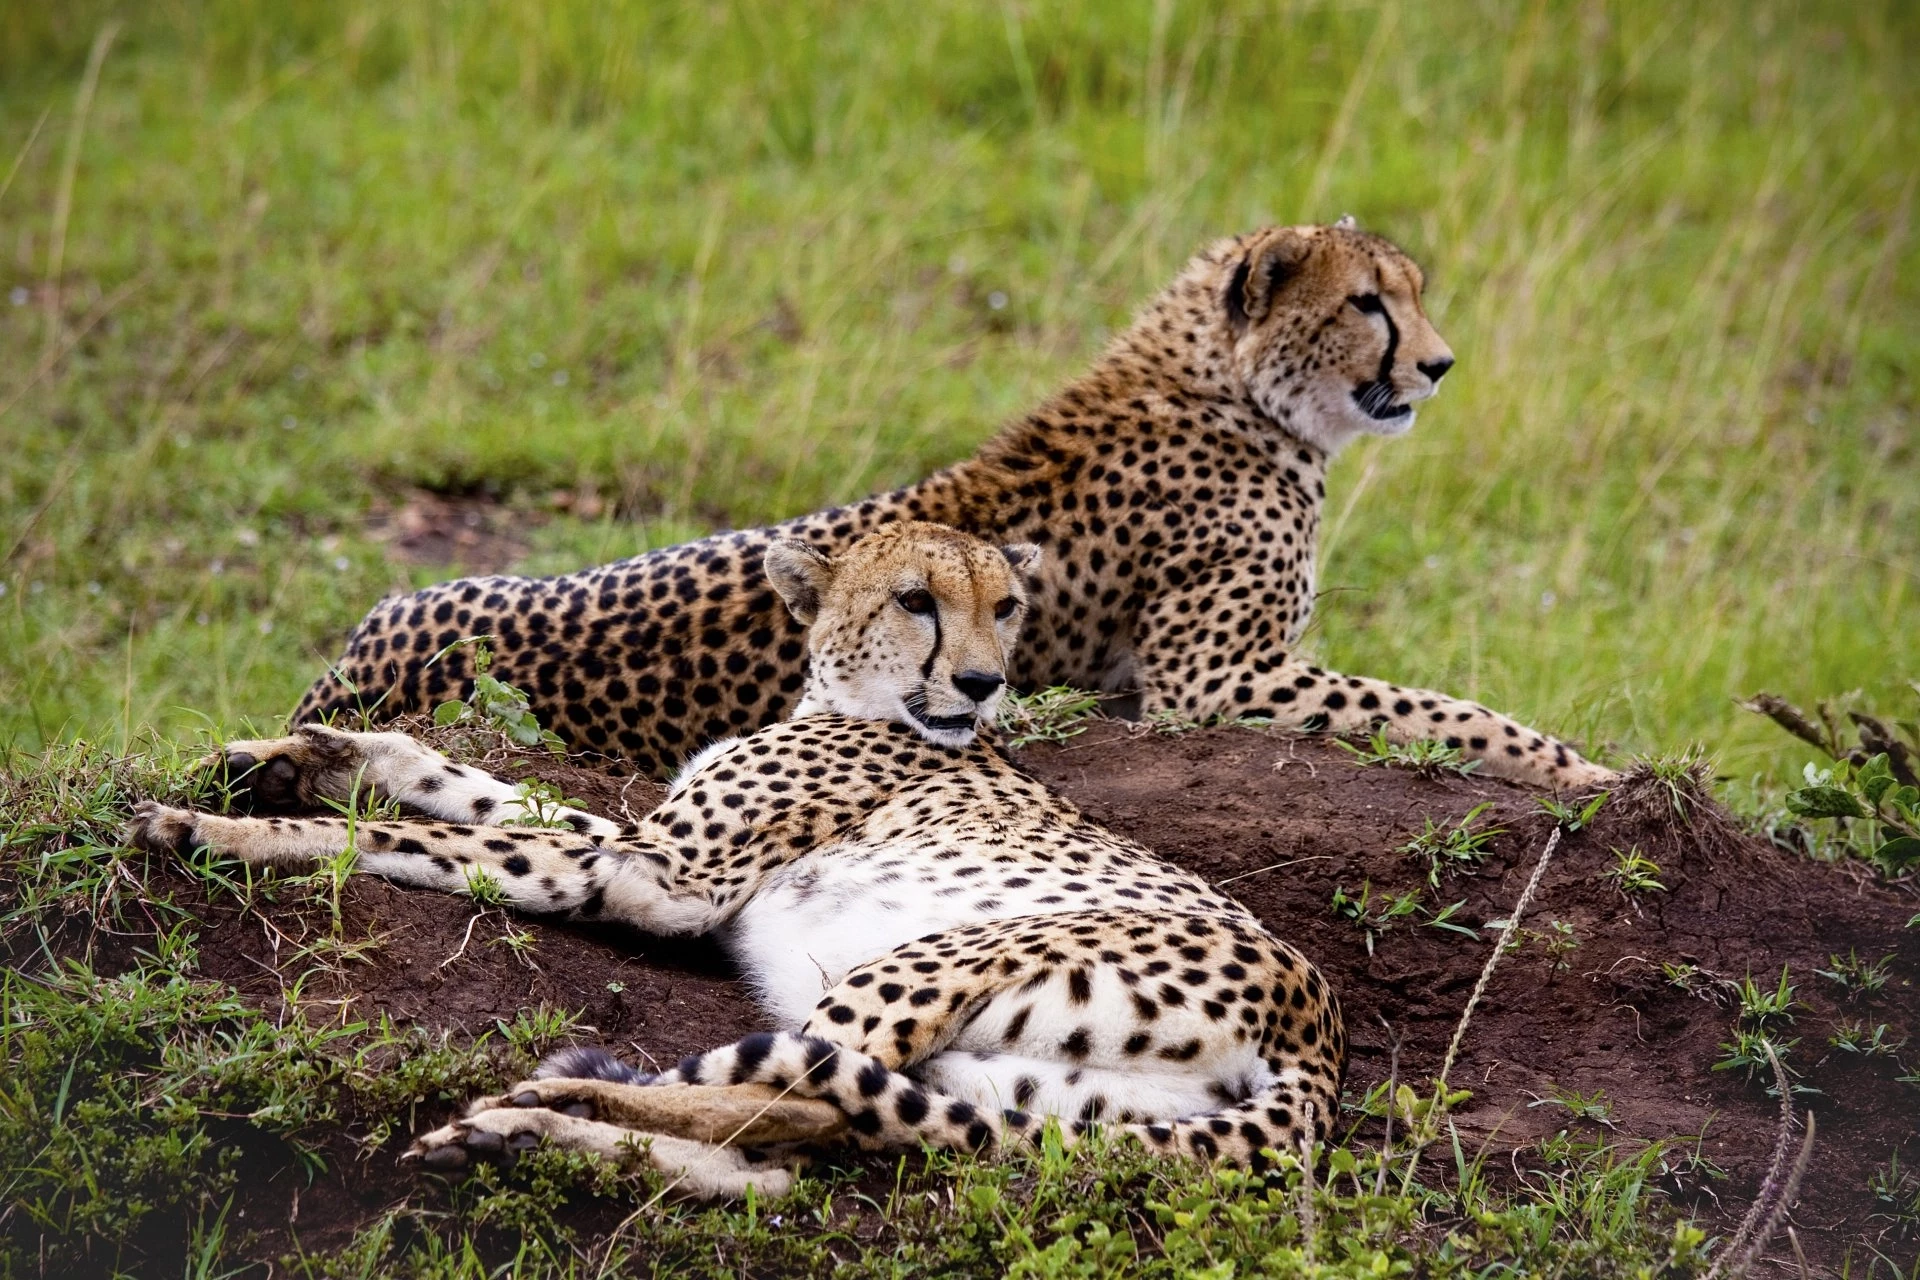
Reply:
x=159 y=828
x=277 y=775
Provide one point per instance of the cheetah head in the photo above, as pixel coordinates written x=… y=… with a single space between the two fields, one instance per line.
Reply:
x=1326 y=331
x=915 y=622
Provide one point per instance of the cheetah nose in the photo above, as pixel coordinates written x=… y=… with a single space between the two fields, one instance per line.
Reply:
x=978 y=685
x=1436 y=369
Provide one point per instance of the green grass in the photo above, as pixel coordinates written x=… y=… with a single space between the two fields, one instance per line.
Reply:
x=721 y=264
x=728 y=263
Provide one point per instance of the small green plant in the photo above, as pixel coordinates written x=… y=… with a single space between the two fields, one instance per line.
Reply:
x=494 y=704
x=1592 y=1107
x=520 y=942
x=534 y=1031
x=1376 y=921
x=1443 y=919
x=1896 y=1194
x=1364 y=915
x=1048 y=715
x=1452 y=848
x=1633 y=873
x=1869 y=1042
x=1762 y=1013
x=1763 y=1008
x=330 y=875
x=1747 y=1052
x=485 y=888
x=1680 y=776
x=1572 y=815
x=1857 y=977
x=541 y=805
x=1428 y=757
x=1559 y=942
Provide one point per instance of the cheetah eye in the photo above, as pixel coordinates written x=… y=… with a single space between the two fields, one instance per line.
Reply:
x=916 y=601
x=1005 y=608
x=1368 y=304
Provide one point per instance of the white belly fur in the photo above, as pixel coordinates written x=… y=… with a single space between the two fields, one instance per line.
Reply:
x=820 y=917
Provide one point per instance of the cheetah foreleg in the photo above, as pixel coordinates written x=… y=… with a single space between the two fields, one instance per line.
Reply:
x=316 y=764
x=1326 y=701
x=1314 y=700
x=538 y=871
x=541 y=871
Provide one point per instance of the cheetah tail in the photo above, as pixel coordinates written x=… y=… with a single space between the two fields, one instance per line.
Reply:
x=587 y=1062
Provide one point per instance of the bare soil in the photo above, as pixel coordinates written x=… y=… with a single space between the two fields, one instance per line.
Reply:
x=1282 y=821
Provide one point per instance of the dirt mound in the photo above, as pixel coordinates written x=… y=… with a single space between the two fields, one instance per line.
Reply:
x=1230 y=804
x=1631 y=999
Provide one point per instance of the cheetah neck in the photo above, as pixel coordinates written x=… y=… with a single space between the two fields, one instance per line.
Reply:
x=1149 y=365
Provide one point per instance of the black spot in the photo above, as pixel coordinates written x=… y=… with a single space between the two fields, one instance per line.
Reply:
x=748 y=1054
x=873 y=1079
x=1079 y=987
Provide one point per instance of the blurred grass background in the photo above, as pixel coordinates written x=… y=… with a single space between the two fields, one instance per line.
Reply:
x=265 y=264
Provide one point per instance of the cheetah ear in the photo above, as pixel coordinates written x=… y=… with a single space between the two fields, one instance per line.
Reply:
x=1023 y=556
x=801 y=575
x=1275 y=257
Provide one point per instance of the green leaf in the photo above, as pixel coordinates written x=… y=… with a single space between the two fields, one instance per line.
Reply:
x=449 y=712
x=1593 y=807
x=1824 y=802
x=1898 y=853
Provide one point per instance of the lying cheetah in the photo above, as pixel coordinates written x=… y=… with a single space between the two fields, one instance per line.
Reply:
x=960 y=950
x=1176 y=489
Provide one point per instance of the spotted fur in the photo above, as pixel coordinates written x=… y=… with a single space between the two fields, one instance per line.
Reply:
x=1176 y=490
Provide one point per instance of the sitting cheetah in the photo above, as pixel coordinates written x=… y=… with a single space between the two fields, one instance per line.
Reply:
x=960 y=950
x=1175 y=488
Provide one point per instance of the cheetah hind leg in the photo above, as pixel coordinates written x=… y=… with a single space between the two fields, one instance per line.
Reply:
x=697 y=1170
